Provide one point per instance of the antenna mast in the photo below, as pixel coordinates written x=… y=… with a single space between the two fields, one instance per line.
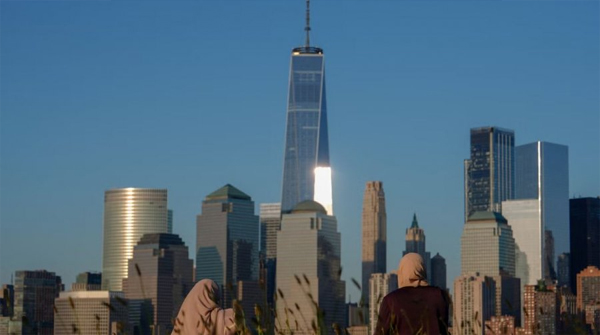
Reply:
x=307 y=28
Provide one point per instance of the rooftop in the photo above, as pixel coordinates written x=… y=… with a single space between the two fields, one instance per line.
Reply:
x=228 y=192
x=309 y=206
x=487 y=216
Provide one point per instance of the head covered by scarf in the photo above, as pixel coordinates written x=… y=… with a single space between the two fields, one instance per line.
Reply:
x=200 y=313
x=411 y=271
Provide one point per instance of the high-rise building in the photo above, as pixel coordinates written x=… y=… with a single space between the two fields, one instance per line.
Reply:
x=270 y=221
x=415 y=242
x=129 y=213
x=542 y=173
x=87 y=312
x=374 y=234
x=308 y=269
x=87 y=281
x=588 y=289
x=380 y=285
x=306 y=167
x=8 y=300
x=35 y=292
x=562 y=269
x=490 y=170
x=474 y=303
x=487 y=245
x=438 y=271
x=160 y=270
x=585 y=235
x=540 y=310
x=508 y=296
x=525 y=220
x=227 y=240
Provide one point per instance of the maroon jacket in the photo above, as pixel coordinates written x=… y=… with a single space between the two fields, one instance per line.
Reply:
x=419 y=310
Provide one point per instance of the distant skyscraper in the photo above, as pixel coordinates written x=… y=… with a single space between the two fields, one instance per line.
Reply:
x=35 y=292
x=308 y=266
x=490 y=171
x=87 y=281
x=374 y=234
x=525 y=220
x=165 y=276
x=500 y=325
x=542 y=173
x=487 y=245
x=415 y=242
x=270 y=222
x=8 y=300
x=438 y=271
x=88 y=312
x=562 y=266
x=227 y=240
x=306 y=167
x=508 y=296
x=474 y=303
x=585 y=235
x=129 y=213
x=380 y=285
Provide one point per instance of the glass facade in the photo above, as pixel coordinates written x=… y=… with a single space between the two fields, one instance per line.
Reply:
x=489 y=175
x=35 y=292
x=309 y=266
x=306 y=138
x=584 y=218
x=374 y=234
x=227 y=240
x=129 y=213
x=542 y=173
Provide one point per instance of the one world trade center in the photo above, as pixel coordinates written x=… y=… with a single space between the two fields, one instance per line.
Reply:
x=306 y=168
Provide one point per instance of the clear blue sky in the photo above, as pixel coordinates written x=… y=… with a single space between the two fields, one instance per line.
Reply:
x=190 y=95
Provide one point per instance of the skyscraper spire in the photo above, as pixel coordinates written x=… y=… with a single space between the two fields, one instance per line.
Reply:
x=307 y=28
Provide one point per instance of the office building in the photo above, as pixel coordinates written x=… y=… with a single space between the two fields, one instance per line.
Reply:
x=160 y=270
x=474 y=303
x=562 y=270
x=588 y=289
x=129 y=213
x=35 y=292
x=88 y=312
x=540 y=310
x=170 y=221
x=374 y=234
x=508 y=296
x=584 y=221
x=542 y=173
x=270 y=221
x=308 y=269
x=87 y=281
x=306 y=167
x=490 y=170
x=415 y=242
x=380 y=285
x=227 y=240
x=438 y=271
x=487 y=245
x=8 y=300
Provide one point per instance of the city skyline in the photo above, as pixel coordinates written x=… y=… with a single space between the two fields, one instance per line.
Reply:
x=72 y=124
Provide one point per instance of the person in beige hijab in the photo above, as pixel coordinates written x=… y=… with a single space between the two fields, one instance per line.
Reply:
x=415 y=308
x=200 y=313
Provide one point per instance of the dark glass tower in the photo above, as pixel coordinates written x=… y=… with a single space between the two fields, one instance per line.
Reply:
x=584 y=220
x=306 y=138
x=490 y=171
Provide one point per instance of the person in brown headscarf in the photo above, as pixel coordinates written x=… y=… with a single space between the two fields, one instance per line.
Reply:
x=415 y=308
x=200 y=313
